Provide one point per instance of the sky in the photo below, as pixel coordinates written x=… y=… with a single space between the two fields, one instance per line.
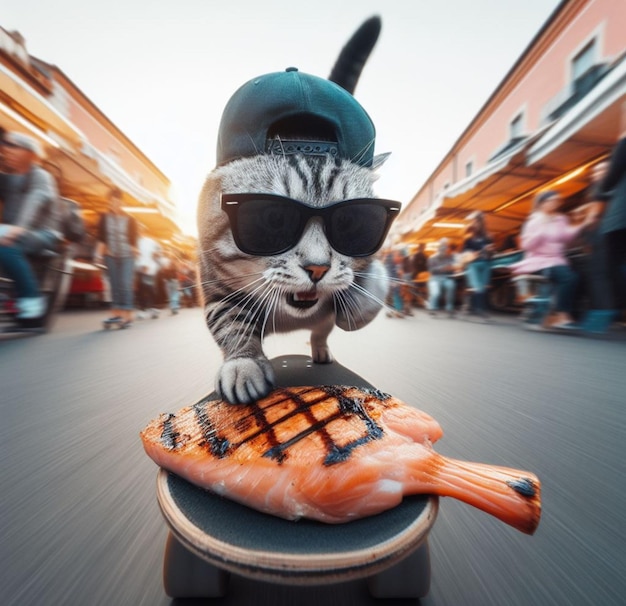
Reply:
x=163 y=70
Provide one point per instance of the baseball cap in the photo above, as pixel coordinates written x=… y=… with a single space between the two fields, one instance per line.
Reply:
x=24 y=141
x=290 y=112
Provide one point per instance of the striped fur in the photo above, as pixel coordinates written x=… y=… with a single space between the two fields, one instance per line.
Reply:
x=246 y=297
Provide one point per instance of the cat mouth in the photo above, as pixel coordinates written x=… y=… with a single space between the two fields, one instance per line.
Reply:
x=302 y=300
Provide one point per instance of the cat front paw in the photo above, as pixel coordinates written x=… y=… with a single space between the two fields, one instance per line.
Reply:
x=245 y=380
x=322 y=355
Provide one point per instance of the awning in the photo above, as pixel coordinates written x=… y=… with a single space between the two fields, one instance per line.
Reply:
x=502 y=180
x=588 y=130
x=27 y=102
x=157 y=225
x=12 y=120
x=559 y=156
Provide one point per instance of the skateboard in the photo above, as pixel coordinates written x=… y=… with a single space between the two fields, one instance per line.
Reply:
x=120 y=323
x=11 y=324
x=211 y=537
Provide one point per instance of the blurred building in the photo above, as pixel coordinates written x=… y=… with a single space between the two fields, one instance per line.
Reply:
x=85 y=151
x=552 y=118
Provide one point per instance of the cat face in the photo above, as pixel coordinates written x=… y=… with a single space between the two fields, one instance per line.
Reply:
x=305 y=280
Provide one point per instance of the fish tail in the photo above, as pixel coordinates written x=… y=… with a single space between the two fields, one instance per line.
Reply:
x=511 y=495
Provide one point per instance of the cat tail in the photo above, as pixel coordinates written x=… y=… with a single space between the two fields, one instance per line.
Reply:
x=355 y=53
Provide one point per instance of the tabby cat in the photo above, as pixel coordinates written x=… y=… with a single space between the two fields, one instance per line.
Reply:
x=274 y=269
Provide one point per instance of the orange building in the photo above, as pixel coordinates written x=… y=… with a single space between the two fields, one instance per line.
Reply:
x=85 y=151
x=555 y=114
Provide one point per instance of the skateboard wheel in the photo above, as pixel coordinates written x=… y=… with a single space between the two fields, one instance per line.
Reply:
x=409 y=578
x=185 y=575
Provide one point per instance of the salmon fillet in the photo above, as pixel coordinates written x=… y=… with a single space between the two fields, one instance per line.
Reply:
x=331 y=454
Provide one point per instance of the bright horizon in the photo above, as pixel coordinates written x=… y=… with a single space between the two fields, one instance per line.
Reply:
x=162 y=72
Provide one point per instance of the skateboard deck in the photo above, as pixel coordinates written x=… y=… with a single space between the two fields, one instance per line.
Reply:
x=108 y=324
x=211 y=536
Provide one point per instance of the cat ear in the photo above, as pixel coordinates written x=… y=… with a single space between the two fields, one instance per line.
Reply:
x=379 y=160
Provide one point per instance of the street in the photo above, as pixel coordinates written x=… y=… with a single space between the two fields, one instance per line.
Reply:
x=79 y=521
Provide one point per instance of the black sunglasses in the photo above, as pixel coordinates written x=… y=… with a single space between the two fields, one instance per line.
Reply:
x=267 y=224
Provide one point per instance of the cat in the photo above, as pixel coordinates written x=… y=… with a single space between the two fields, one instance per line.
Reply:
x=308 y=286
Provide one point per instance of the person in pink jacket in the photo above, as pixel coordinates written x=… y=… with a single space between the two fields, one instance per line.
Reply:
x=544 y=239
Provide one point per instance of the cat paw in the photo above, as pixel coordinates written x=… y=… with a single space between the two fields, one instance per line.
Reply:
x=245 y=380
x=322 y=355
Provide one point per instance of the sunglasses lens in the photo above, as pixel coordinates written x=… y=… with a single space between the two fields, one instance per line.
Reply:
x=266 y=227
x=358 y=229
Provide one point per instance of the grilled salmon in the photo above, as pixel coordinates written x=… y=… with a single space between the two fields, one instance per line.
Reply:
x=331 y=454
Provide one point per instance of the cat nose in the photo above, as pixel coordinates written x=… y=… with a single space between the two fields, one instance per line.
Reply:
x=316 y=272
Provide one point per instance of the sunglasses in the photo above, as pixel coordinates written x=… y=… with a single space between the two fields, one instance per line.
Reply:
x=267 y=224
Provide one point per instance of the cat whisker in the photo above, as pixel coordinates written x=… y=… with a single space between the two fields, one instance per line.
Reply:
x=206 y=251
x=246 y=330
x=367 y=293
x=353 y=304
x=235 y=298
x=242 y=334
x=271 y=310
x=361 y=154
x=233 y=279
x=382 y=278
x=339 y=300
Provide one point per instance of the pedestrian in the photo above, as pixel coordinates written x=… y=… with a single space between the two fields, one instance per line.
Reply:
x=394 y=298
x=609 y=257
x=544 y=238
x=146 y=293
x=30 y=219
x=189 y=286
x=117 y=244
x=419 y=265
x=441 y=266
x=406 y=288
x=477 y=252
x=170 y=273
x=149 y=262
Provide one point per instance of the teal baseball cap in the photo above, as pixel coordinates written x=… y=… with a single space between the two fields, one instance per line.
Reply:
x=293 y=112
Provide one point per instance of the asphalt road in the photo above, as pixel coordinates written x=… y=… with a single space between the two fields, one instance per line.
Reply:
x=79 y=523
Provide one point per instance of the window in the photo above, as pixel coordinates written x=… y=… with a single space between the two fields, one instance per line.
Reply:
x=515 y=128
x=584 y=60
x=469 y=169
x=586 y=71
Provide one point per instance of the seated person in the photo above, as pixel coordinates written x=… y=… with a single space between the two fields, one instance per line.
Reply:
x=544 y=239
x=441 y=266
x=30 y=219
x=510 y=242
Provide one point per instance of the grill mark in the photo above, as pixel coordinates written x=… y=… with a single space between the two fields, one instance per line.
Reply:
x=277 y=451
x=217 y=445
x=259 y=414
x=352 y=406
x=377 y=393
x=267 y=429
x=169 y=435
x=221 y=447
x=334 y=453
